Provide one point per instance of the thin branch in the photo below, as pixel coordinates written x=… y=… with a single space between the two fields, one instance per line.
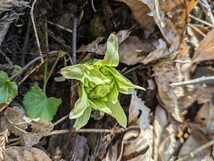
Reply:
x=195 y=151
x=202 y=21
x=74 y=39
x=60 y=120
x=92 y=5
x=118 y=130
x=35 y=30
x=59 y=26
x=193 y=81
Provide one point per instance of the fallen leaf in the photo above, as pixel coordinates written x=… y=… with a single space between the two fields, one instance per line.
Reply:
x=170 y=16
x=3 y=140
x=190 y=4
x=194 y=141
x=140 y=141
x=140 y=13
x=133 y=50
x=159 y=53
x=21 y=153
x=17 y=123
x=160 y=123
x=205 y=115
x=205 y=50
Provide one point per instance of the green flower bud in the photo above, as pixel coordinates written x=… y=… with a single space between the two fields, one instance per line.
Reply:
x=102 y=90
x=88 y=89
x=92 y=95
x=105 y=72
x=92 y=84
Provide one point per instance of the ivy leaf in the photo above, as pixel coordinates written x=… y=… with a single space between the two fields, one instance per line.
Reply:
x=37 y=105
x=8 y=90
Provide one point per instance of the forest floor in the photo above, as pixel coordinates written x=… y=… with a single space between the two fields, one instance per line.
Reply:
x=165 y=46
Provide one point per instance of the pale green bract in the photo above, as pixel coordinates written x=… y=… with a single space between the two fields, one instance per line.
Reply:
x=100 y=84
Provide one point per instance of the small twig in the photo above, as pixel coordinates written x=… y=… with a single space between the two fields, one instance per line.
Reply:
x=27 y=35
x=193 y=81
x=119 y=130
x=29 y=64
x=13 y=140
x=35 y=30
x=61 y=27
x=196 y=29
x=74 y=39
x=92 y=5
x=195 y=151
x=200 y=20
x=60 y=120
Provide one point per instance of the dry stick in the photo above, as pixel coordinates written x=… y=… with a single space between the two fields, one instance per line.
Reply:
x=120 y=130
x=92 y=5
x=202 y=21
x=193 y=81
x=60 y=120
x=27 y=35
x=196 y=29
x=59 y=26
x=35 y=31
x=195 y=151
x=74 y=40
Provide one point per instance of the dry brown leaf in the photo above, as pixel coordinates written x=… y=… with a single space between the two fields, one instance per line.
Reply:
x=160 y=133
x=169 y=145
x=160 y=52
x=133 y=50
x=140 y=13
x=16 y=122
x=3 y=140
x=96 y=47
x=16 y=153
x=205 y=50
x=194 y=141
x=170 y=16
x=205 y=115
x=190 y=4
x=140 y=141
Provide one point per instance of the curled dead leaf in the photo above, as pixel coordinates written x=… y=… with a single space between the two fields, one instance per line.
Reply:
x=17 y=123
x=140 y=13
x=205 y=50
x=15 y=153
x=170 y=16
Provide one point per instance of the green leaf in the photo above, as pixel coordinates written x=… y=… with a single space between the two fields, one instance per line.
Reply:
x=125 y=86
x=100 y=105
x=111 y=56
x=113 y=95
x=94 y=75
x=16 y=69
x=80 y=106
x=117 y=113
x=37 y=105
x=8 y=89
x=82 y=120
x=73 y=72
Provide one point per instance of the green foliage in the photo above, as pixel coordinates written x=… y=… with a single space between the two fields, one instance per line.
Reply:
x=100 y=85
x=8 y=89
x=37 y=105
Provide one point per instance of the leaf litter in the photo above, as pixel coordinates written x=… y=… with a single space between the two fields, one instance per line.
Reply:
x=164 y=46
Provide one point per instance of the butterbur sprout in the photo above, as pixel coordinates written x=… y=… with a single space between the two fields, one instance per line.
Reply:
x=100 y=84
